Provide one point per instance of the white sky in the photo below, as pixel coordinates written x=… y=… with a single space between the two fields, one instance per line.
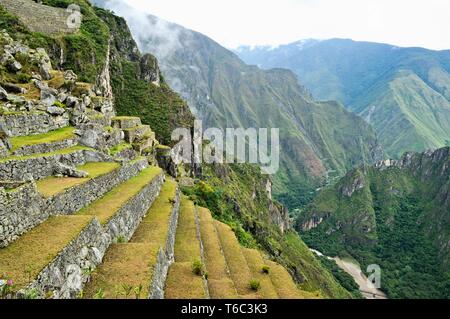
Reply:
x=424 y=23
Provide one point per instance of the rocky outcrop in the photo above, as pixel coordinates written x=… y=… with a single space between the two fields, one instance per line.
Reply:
x=149 y=69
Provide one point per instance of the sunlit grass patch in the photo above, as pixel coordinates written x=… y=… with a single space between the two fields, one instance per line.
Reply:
x=182 y=283
x=52 y=185
x=255 y=263
x=239 y=271
x=25 y=258
x=187 y=246
x=125 y=272
x=50 y=137
x=220 y=285
x=154 y=226
x=107 y=206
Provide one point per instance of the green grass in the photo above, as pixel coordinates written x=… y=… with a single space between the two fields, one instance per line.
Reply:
x=284 y=285
x=131 y=264
x=220 y=284
x=107 y=206
x=237 y=265
x=255 y=263
x=50 y=137
x=187 y=247
x=52 y=185
x=119 y=148
x=153 y=227
x=65 y=151
x=25 y=258
x=181 y=281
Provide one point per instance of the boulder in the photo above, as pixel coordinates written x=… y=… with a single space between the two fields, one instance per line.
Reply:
x=13 y=88
x=44 y=62
x=65 y=170
x=54 y=110
x=13 y=66
x=15 y=99
x=70 y=76
x=71 y=101
x=48 y=96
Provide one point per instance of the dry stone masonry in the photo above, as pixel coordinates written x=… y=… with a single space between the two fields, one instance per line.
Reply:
x=39 y=18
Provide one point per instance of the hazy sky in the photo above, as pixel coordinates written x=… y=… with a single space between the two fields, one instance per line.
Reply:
x=423 y=23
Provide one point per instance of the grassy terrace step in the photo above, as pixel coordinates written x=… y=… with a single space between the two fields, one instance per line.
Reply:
x=237 y=264
x=107 y=206
x=52 y=185
x=256 y=263
x=24 y=259
x=131 y=264
x=50 y=137
x=219 y=283
x=65 y=151
x=283 y=283
x=181 y=281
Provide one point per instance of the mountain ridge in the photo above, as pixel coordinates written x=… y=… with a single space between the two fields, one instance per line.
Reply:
x=360 y=74
x=223 y=91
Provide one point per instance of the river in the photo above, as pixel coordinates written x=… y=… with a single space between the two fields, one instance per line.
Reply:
x=367 y=288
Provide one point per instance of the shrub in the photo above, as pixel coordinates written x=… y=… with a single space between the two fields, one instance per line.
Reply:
x=59 y=104
x=100 y=294
x=197 y=267
x=254 y=285
x=121 y=239
x=265 y=269
x=23 y=77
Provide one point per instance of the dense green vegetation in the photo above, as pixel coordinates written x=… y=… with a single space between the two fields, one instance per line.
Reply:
x=398 y=220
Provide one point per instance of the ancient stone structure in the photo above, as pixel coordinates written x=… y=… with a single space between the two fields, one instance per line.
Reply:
x=40 y=18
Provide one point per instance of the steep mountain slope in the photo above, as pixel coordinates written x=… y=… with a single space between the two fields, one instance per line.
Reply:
x=394 y=214
x=316 y=138
x=403 y=92
x=97 y=192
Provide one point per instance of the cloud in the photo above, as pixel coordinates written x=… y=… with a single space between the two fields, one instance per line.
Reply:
x=272 y=22
x=157 y=36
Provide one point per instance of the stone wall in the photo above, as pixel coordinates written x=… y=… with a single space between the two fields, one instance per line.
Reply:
x=32 y=123
x=20 y=210
x=165 y=255
x=66 y=275
x=19 y=169
x=83 y=195
x=45 y=147
x=24 y=208
x=127 y=219
x=39 y=18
